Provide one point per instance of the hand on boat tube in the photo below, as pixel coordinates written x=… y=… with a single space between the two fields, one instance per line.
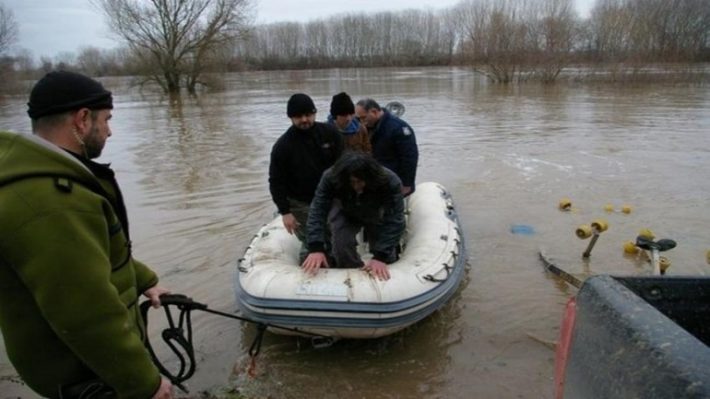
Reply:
x=290 y=223
x=313 y=262
x=378 y=269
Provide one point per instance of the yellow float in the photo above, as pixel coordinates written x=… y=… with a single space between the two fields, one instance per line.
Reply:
x=630 y=248
x=584 y=231
x=600 y=225
x=646 y=233
x=664 y=264
x=565 y=204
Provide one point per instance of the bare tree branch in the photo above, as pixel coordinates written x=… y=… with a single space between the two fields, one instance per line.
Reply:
x=177 y=39
x=8 y=29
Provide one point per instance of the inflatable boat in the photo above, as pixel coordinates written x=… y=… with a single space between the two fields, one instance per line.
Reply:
x=272 y=289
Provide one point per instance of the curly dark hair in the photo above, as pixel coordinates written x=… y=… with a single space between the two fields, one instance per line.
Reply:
x=362 y=166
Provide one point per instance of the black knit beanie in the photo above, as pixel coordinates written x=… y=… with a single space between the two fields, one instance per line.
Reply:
x=300 y=104
x=342 y=105
x=62 y=91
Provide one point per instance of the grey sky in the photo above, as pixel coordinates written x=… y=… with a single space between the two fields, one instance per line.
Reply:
x=51 y=27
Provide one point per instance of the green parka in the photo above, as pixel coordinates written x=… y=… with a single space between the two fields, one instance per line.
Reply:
x=69 y=286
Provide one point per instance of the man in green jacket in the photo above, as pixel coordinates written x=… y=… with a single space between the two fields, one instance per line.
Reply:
x=69 y=286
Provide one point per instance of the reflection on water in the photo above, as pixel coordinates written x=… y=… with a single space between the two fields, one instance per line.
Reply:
x=195 y=179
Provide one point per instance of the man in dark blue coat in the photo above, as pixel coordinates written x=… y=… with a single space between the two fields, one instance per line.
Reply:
x=393 y=142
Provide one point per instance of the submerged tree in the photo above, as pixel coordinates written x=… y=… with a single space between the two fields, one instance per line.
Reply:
x=555 y=30
x=515 y=40
x=177 y=41
x=8 y=29
x=641 y=31
x=8 y=37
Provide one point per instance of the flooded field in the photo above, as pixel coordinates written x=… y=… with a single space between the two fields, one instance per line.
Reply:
x=194 y=176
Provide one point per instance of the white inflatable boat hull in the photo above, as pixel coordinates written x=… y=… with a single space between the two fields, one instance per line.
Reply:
x=348 y=303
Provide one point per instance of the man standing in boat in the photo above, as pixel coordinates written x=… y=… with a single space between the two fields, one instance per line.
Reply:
x=298 y=159
x=342 y=116
x=393 y=142
x=69 y=285
x=357 y=192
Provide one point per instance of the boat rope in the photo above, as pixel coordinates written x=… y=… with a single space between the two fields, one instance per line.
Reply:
x=433 y=279
x=178 y=336
x=447 y=268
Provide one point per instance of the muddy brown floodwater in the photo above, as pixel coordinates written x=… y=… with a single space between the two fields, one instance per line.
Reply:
x=195 y=180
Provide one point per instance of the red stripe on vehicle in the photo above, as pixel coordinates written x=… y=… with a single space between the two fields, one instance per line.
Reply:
x=563 y=346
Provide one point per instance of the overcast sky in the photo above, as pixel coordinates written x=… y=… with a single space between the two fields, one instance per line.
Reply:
x=50 y=27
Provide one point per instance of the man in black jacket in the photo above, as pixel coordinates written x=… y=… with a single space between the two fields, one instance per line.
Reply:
x=298 y=160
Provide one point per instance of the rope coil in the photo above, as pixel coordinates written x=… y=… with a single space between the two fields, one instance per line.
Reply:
x=178 y=336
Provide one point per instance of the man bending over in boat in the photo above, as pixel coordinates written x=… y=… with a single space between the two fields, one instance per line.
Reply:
x=357 y=192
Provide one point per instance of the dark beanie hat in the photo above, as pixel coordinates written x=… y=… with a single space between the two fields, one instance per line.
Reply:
x=300 y=104
x=62 y=91
x=342 y=105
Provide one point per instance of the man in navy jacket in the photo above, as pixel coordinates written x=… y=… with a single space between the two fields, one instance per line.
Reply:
x=393 y=142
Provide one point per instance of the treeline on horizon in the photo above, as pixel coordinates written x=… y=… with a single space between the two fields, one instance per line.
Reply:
x=506 y=40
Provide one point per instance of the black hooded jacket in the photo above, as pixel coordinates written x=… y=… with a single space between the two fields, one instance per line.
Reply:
x=383 y=210
x=298 y=159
